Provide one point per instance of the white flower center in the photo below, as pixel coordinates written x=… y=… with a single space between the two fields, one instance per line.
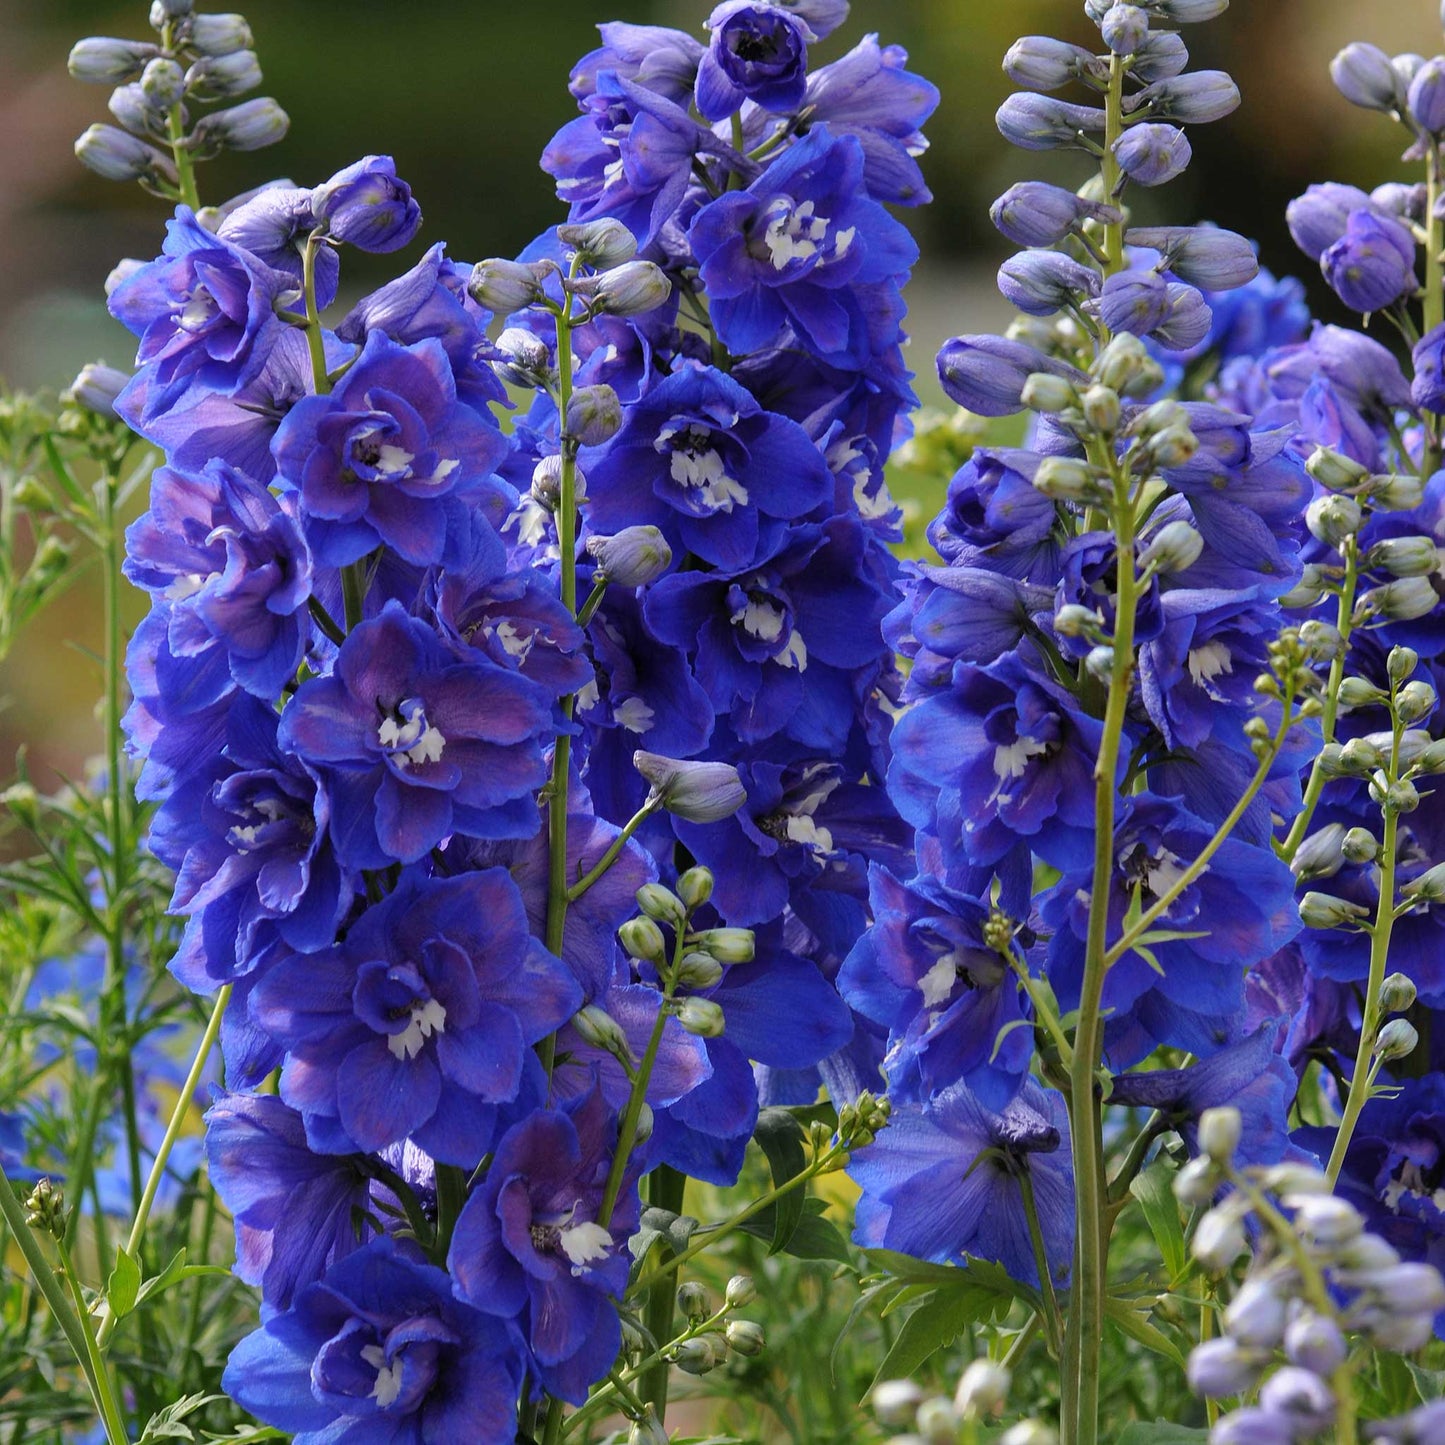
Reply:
x=426 y=1019
x=1010 y=760
x=585 y=1244
x=798 y=234
x=414 y=741
x=700 y=468
x=802 y=828
x=938 y=982
x=388 y=1377
x=1207 y=662
x=634 y=715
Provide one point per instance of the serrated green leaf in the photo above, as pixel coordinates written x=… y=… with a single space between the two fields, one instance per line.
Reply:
x=1136 y=1324
x=783 y=1141
x=1155 y=1193
x=123 y=1287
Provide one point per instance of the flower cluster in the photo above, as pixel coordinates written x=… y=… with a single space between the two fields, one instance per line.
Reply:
x=520 y=786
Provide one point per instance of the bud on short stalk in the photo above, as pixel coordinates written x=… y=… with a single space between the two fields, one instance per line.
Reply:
x=1220 y=1130
x=695 y=886
x=1334 y=471
x=661 y=903
x=702 y=1017
x=642 y=938
x=635 y=557
x=1396 y=1040
x=501 y=285
x=250 y=126
x=603 y=243
x=745 y=1337
x=700 y=792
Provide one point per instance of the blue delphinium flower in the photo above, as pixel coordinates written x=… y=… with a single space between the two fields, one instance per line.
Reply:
x=389 y=457
x=367 y=205
x=380 y=1349
x=758 y=52
x=805 y=246
x=528 y=1245
x=420 y=1022
x=942 y=1182
x=415 y=744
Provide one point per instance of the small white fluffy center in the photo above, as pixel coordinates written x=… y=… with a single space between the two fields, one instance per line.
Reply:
x=426 y=1019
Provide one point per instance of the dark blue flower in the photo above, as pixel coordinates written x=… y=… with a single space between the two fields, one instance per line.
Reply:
x=950 y=1002
x=295 y=1210
x=805 y=246
x=1372 y=264
x=656 y=57
x=367 y=206
x=416 y=744
x=776 y=640
x=942 y=1182
x=273 y=224
x=1242 y=906
x=246 y=831
x=235 y=568
x=420 y=1022
x=528 y=1243
x=389 y=457
x=869 y=93
x=206 y=308
x=758 y=52
x=380 y=1350
x=698 y=458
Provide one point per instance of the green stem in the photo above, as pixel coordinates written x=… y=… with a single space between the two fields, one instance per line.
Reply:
x=593 y=602
x=627 y=1129
x=666 y=1189
x=1084 y=1335
x=1380 y=933
x=1344 y=625
x=552 y=1426
x=180 y=153
x=315 y=341
x=173 y=1132
x=1170 y=896
x=1041 y=1262
x=613 y=849
x=1109 y=169
x=111 y=1414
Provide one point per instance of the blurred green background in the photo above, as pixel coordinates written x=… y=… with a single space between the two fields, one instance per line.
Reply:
x=465 y=93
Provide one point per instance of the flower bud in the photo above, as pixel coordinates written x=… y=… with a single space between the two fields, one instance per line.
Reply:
x=1426 y=96
x=1361 y=757
x=1190 y=12
x=1308 y=590
x=368 y=206
x=223 y=77
x=1028 y=1432
x=695 y=1356
x=1196 y=1183
x=1048 y=394
x=96 y=388
x=1256 y=1315
x=695 y=886
x=1175 y=547
x=1153 y=154
x=216 y=35
x=1194 y=99
x=1124 y=28
x=1040 y=123
x=163 y=11
x=937 y=1422
x=1359 y=845
x=527 y=357
x=895 y=1401
x=116 y=156
x=1400 y=663
x=1333 y=518
x=692 y=1302
x=162 y=83
x=1174 y=447
x=982 y=1390
x=1397 y=1040
x=602 y=243
x=1302 y=1396
x=1334 y=471
x=987 y=374
x=1321 y=910
x=1035 y=213
x=1412 y=1288
x=105 y=60
x=250 y=126
x=633 y=289
x=661 y=903
x=642 y=938
x=1429 y=887
x=1324 y=1220
x=597 y=1027
x=648 y=1430
x=1315 y=1342
x=1205 y=256
x=1223 y=1367
x=1075 y=620
x=1363 y=75
x=1220 y=1130
x=503 y=286
x=1403 y=600
x=1414 y=701
x=1068 y=479
x=745 y=1337
x=1218 y=1241
x=135 y=113
x=1042 y=282
x=1099 y=663
x=1394 y=492
x=1397 y=993
x=1041 y=63
x=1404 y=556
x=728 y=945
x=741 y=1292
x=633 y=558
x=594 y=415
x=1321 y=855
x=699 y=792
x=1360 y=692
x=701 y=1016
x=45 y=1208
x=646 y=1122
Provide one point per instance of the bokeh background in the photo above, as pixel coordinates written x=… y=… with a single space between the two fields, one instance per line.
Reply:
x=465 y=94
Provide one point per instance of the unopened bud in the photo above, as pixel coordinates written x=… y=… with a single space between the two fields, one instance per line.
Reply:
x=728 y=945
x=741 y=1292
x=1321 y=640
x=1400 y=663
x=106 y=60
x=1315 y=1342
x=633 y=558
x=1068 y=479
x=501 y=285
x=661 y=903
x=701 y=1016
x=597 y=1027
x=1359 y=845
x=1218 y=1241
x=250 y=126
x=1256 y=1315
x=700 y=792
x=1321 y=910
x=223 y=77
x=163 y=83
x=1334 y=518
x=1403 y=600
x=695 y=1356
x=219 y=34
x=1048 y=394
x=1402 y=492
x=1029 y=1432
x=45 y=1208
x=1361 y=757
x=1220 y=1130
x=1101 y=409
x=699 y=971
x=527 y=357
x=1174 y=447
x=1404 y=556
x=1429 y=887
x=1100 y=663
x=1414 y=701
x=937 y=1422
x=982 y=1390
x=692 y=1302
x=648 y=1430
x=23 y=802
x=642 y=938
x=1308 y=590
x=1175 y=547
x=602 y=243
x=695 y=886
x=633 y=289
x=1397 y=993
x=1334 y=471
x=1074 y=620
x=594 y=414
x=1397 y=1040
x=96 y=388
x=1360 y=692
x=1121 y=363
x=547 y=482
x=745 y=1337
x=895 y=1401
x=116 y=155
x=1222 y=1367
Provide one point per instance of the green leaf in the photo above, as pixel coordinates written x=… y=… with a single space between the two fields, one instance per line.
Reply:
x=980 y=1274
x=1154 y=1191
x=941 y=1316
x=782 y=1139
x=674 y=1229
x=1136 y=1324
x=167 y=1425
x=815 y=1236
x=123 y=1287
x=1169 y=935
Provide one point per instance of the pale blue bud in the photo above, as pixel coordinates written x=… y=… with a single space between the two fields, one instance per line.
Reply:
x=1202 y=96
x=105 y=60
x=603 y=243
x=631 y=289
x=500 y=285
x=249 y=126
x=116 y=156
x=1035 y=213
x=1162 y=55
x=594 y=414
x=1039 y=62
x=163 y=82
x=1042 y=282
x=633 y=558
x=128 y=104
x=1153 y=154
x=1222 y=1367
x=1040 y=123
x=700 y=792
x=1257 y=1314
x=96 y=388
x=1362 y=73
x=1302 y=1396
x=218 y=34
x=1426 y=96
x=1204 y=256
x=1124 y=28
x=223 y=77
x=1316 y=1343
